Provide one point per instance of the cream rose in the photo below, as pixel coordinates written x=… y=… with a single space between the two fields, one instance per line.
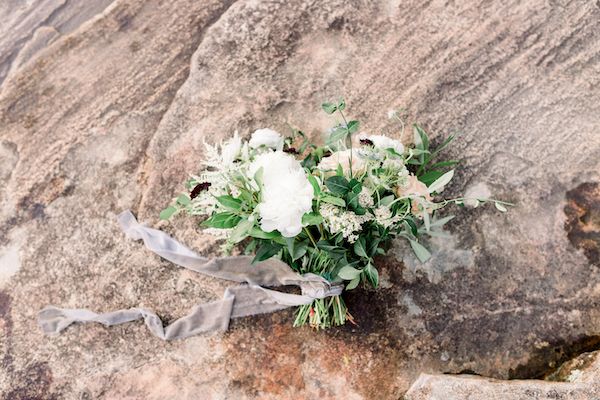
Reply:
x=414 y=187
x=342 y=158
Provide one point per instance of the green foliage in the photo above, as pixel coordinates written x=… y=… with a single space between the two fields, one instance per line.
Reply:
x=224 y=220
x=339 y=243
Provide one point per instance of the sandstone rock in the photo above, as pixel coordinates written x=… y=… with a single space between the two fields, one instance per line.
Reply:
x=113 y=115
x=447 y=387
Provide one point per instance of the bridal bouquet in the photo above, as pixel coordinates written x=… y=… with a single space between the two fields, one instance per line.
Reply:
x=327 y=210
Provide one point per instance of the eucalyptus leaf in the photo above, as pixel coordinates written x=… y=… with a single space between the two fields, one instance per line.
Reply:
x=329 y=108
x=241 y=231
x=348 y=273
x=333 y=200
x=184 y=199
x=500 y=207
x=353 y=283
x=167 y=212
x=230 y=202
x=420 y=251
x=352 y=126
x=360 y=247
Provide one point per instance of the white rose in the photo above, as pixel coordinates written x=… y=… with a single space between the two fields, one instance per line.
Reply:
x=342 y=158
x=385 y=142
x=266 y=137
x=286 y=195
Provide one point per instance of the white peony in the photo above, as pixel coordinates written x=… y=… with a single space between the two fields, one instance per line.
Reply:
x=266 y=137
x=286 y=194
x=385 y=142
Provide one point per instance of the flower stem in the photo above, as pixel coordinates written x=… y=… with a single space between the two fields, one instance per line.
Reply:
x=349 y=139
x=310 y=237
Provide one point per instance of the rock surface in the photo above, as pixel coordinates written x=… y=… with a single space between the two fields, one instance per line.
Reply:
x=111 y=113
x=448 y=387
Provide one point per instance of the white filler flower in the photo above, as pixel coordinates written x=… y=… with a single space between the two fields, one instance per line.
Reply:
x=286 y=194
x=385 y=142
x=266 y=137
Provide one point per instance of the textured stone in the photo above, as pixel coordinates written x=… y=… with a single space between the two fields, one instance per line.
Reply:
x=448 y=387
x=112 y=115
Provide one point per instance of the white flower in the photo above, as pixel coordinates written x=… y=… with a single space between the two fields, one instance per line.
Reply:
x=266 y=137
x=383 y=216
x=286 y=194
x=383 y=142
x=365 y=198
x=342 y=158
x=231 y=149
x=346 y=222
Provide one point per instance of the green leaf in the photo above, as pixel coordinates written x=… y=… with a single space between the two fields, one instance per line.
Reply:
x=413 y=226
x=338 y=135
x=315 y=184
x=184 y=199
x=387 y=200
x=299 y=250
x=266 y=251
x=372 y=246
x=418 y=152
x=258 y=177
x=167 y=212
x=372 y=275
x=339 y=171
x=352 y=200
x=241 y=231
x=224 y=220
x=230 y=203
x=445 y=143
x=500 y=207
x=420 y=138
x=341 y=105
x=355 y=186
x=348 y=273
x=420 y=251
x=353 y=283
x=329 y=108
x=337 y=184
x=441 y=222
x=352 y=126
x=442 y=181
x=430 y=176
x=360 y=247
x=258 y=233
x=312 y=218
x=333 y=200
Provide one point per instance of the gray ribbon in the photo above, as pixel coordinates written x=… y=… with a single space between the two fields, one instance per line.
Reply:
x=249 y=298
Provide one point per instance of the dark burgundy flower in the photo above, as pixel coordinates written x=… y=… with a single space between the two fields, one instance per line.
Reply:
x=366 y=141
x=290 y=150
x=199 y=188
